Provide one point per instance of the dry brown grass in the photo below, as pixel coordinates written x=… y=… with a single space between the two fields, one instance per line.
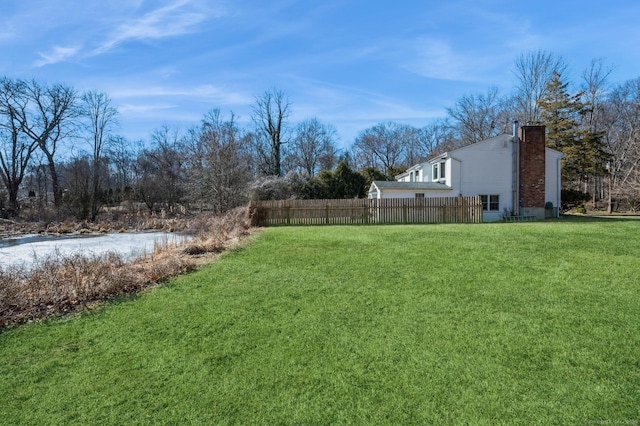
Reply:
x=60 y=284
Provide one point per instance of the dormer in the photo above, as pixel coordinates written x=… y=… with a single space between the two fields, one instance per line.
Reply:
x=417 y=173
x=439 y=169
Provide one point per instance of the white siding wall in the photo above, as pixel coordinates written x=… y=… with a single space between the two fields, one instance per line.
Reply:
x=452 y=176
x=487 y=169
x=403 y=193
x=425 y=172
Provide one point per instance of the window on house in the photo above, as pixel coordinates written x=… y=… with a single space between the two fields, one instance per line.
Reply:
x=439 y=170
x=494 y=202
x=417 y=175
x=490 y=202
x=419 y=194
x=485 y=202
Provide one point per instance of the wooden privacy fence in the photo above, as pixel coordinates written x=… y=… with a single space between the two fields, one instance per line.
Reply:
x=367 y=211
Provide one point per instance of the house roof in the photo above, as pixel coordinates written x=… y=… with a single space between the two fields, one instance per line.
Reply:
x=420 y=186
x=554 y=152
x=501 y=138
x=411 y=169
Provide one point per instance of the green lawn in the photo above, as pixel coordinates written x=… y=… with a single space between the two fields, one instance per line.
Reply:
x=526 y=323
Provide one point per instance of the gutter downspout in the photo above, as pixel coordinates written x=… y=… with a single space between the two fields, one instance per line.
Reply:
x=459 y=177
x=516 y=171
x=559 y=185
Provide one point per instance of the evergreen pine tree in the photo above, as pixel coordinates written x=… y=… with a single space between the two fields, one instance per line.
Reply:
x=583 y=149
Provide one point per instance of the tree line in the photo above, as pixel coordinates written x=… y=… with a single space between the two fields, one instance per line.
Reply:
x=60 y=151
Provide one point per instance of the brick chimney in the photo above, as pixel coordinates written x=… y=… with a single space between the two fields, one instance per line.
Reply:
x=532 y=170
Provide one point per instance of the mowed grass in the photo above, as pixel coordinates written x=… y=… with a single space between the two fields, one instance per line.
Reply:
x=527 y=323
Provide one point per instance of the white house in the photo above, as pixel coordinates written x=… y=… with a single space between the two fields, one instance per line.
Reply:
x=513 y=175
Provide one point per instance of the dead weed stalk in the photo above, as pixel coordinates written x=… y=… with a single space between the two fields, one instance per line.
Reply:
x=58 y=284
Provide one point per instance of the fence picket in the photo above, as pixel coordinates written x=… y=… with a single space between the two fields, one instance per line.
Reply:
x=367 y=211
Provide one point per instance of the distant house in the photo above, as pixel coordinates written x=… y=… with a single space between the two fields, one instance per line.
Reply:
x=513 y=175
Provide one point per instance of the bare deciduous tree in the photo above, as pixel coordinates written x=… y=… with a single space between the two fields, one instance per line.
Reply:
x=594 y=89
x=122 y=154
x=270 y=113
x=15 y=148
x=76 y=177
x=160 y=170
x=48 y=121
x=623 y=138
x=594 y=79
x=38 y=182
x=479 y=116
x=101 y=118
x=533 y=70
x=437 y=138
x=218 y=164
x=313 y=147
x=384 y=146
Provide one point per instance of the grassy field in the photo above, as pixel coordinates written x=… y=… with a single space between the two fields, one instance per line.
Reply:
x=527 y=323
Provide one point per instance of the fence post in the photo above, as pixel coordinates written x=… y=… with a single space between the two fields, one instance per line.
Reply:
x=405 y=211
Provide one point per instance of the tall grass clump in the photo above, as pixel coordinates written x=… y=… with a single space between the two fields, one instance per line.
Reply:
x=56 y=284
x=212 y=234
x=59 y=284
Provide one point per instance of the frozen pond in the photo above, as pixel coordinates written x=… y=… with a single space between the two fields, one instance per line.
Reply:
x=24 y=250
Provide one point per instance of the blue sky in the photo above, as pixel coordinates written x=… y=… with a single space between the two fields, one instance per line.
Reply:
x=351 y=64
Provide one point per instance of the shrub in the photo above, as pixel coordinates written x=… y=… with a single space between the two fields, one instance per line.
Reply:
x=572 y=198
x=277 y=188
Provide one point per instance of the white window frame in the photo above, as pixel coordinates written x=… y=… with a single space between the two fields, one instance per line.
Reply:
x=439 y=170
x=488 y=200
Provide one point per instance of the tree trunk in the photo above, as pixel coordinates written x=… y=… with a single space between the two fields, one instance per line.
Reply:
x=55 y=185
x=95 y=198
x=609 y=201
x=14 y=206
x=276 y=169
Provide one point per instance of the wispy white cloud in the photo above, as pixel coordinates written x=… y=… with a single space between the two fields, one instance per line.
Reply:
x=143 y=109
x=172 y=20
x=57 y=54
x=329 y=101
x=7 y=32
x=206 y=92
x=437 y=59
